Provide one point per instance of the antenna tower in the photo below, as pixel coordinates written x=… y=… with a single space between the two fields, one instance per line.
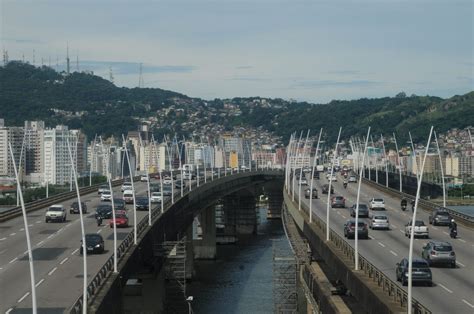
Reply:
x=67 y=60
x=141 y=83
x=5 y=57
x=77 y=62
x=111 y=75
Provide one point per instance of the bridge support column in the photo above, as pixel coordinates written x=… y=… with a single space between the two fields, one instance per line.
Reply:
x=205 y=248
x=274 y=191
x=240 y=213
x=189 y=266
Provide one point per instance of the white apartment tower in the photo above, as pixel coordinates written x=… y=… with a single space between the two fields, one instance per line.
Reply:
x=13 y=135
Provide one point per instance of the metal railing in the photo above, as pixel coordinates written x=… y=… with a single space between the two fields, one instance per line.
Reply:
x=389 y=287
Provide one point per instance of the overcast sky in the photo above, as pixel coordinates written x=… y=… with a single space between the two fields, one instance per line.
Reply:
x=305 y=50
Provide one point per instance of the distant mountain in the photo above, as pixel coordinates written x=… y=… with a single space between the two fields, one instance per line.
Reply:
x=97 y=106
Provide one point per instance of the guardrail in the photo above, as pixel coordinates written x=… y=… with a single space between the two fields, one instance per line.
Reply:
x=107 y=269
x=389 y=287
x=466 y=220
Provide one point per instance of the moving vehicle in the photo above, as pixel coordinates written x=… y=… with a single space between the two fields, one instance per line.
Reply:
x=94 y=243
x=362 y=230
x=421 y=230
x=320 y=168
x=403 y=204
x=56 y=213
x=143 y=178
x=377 y=203
x=325 y=189
x=156 y=197
x=307 y=193
x=128 y=196
x=440 y=217
x=438 y=252
x=121 y=220
x=352 y=179
x=316 y=175
x=303 y=182
x=363 y=210
x=74 y=209
x=104 y=211
x=379 y=222
x=167 y=180
x=332 y=178
x=106 y=196
x=126 y=186
x=421 y=272
x=102 y=188
x=142 y=203
x=119 y=204
x=338 y=201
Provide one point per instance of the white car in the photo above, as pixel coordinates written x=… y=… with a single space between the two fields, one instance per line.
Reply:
x=156 y=197
x=379 y=222
x=333 y=178
x=126 y=186
x=103 y=188
x=421 y=230
x=352 y=179
x=303 y=182
x=377 y=203
x=167 y=180
x=56 y=213
x=106 y=196
x=143 y=178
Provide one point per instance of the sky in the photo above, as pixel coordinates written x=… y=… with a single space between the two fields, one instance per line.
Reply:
x=312 y=51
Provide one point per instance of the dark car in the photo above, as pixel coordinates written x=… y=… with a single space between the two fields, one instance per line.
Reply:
x=363 y=210
x=307 y=193
x=338 y=201
x=362 y=230
x=142 y=203
x=94 y=243
x=75 y=208
x=119 y=204
x=440 y=217
x=167 y=190
x=104 y=211
x=325 y=189
x=420 y=272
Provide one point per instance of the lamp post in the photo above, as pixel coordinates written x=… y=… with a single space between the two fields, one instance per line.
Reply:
x=386 y=160
x=376 y=160
x=412 y=231
x=399 y=162
x=147 y=181
x=171 y=170
x=442 y=170
x=312 y=178
x=92 y=160
x=334 y=157
x=19 y=169
x=356 y=234
x=133 y=193
x=301 y=171
x=414 y=155
x=27 y=233
x=294 y=171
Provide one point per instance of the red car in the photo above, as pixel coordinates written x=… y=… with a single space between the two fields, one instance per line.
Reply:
x=121 y=220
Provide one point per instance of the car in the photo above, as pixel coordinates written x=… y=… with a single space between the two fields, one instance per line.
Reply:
x=121 y=220
x=440 y=217
x=94 y=243
x=128 y=196
x=362 y=230
x=332 y=178
x=55 y=213
x=177 y=184
x=363 y=210
x=167 y=191
x=126 y=186
x=74 y=209
x=352 y=179
x=106 y=196
x=421 y=272
x=438 y=252
x=102 y=188
x=143 y=178
x=156 y=197
x=421 y=230
x=307 y=193
x=379 y=222
x=142 y=203
x=325 y=189
x=119 y=204
x=377 y=203
x=167 y=180
x=104 y=211
x=338 y=201
x=303 y=182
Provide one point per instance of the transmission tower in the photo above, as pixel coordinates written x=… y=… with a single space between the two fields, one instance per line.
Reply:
x=111 y=75
x=67 y=60
x=5 y=57
x=33 y=57
x=141 y=83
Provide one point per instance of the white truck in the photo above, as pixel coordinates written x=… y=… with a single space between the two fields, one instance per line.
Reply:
x=56 y=213
x=421 y=230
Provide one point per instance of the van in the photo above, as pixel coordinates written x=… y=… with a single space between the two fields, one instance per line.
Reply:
x=128 y=196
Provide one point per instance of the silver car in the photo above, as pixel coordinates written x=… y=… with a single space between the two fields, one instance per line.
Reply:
x=379 y=222
x=438 y=252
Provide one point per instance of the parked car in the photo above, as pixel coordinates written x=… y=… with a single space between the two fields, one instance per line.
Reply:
x=94 y=243
x=106 y=196
x=421 y=230
x=377 y=203
x=379 y=222
x=126 y=186
x=142 y=203
x=338 y=201
x=102 y=188
x=362 y=230
x=121 y=220
x=307 y=193
x=325 y=189
x=440 y=217
x=421 y=272
x=128 y=196
x=56 y=213
x=104 y=211
x=363 y=210
x=438 y=252
x=156 y=197
x=74 y=209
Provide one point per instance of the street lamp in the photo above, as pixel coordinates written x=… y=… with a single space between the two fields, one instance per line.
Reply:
x=301 y=171
x=442 y=170
x=133 y=193
x=330 y=183
x=189 y=300
x=312 y=178
x=399 y=159
x=386 y=160
x=147 y=181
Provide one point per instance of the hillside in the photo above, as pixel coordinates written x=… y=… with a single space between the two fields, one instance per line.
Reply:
x=97 y=106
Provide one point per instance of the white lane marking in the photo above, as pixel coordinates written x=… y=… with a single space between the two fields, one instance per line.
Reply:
x=22 y=229
x=74 y=252
x=450 y=291
x=371 y=237
x=52 y=271
x=1 y=252
x=51 y=235
x=60 y=230
x=435 y=228
x=38 y=221
x=9 y=310
x=445 y=233
x=26 y=252
x=99 y=231
x=30 y=225
x=468 y=303
x=39 y=243
x=402 y=231
x=12 y=234
x=13 y=260
x=459 y=263
x=463 y=241
x=67 y=225
x=394 y=226
x=381 y=244
x=63 y=261
x=393 y=253
x=343 y=216
x=3 y=239
x=23 y=297
x=39 y=282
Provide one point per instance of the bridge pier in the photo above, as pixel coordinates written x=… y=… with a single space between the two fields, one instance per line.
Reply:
x=189 y=261
x=274 y=191
x=240 y=212
x=205 y=248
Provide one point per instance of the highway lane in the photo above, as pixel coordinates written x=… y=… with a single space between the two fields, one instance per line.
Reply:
x=452 y=291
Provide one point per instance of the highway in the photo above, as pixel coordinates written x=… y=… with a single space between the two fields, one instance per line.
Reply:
x=453 y=288
x=57 y=262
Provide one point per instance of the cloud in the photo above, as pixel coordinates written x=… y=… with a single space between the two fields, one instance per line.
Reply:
x=332 y=83
x=120 y=67
x=344 y=72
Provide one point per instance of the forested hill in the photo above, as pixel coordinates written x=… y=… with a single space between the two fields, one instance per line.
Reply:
x=97 y=106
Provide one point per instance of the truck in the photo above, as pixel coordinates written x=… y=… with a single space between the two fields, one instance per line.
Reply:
x=421 y=230
x=320 y=168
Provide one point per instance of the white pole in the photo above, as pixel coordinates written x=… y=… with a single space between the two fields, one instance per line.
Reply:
x=160 y=171
x=442 y=170
x=301 y=172
x=399 y=163
x=27 y=233
x=83 y=233
x=470 y=137
x=92 y=160
x=133 y=193
x=386 y=160
x=330 y=184
x=180 y=151
x=294 y=172
x=312 y=178
x=171 y=170
x=412 y=231
x=376 y=161
x=19 y=169
x=147 y=181
x=414 y=155
x=203 y=159
x=356 y=236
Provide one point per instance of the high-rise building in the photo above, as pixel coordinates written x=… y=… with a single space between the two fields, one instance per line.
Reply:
x=34 y=132
x=14 y=136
